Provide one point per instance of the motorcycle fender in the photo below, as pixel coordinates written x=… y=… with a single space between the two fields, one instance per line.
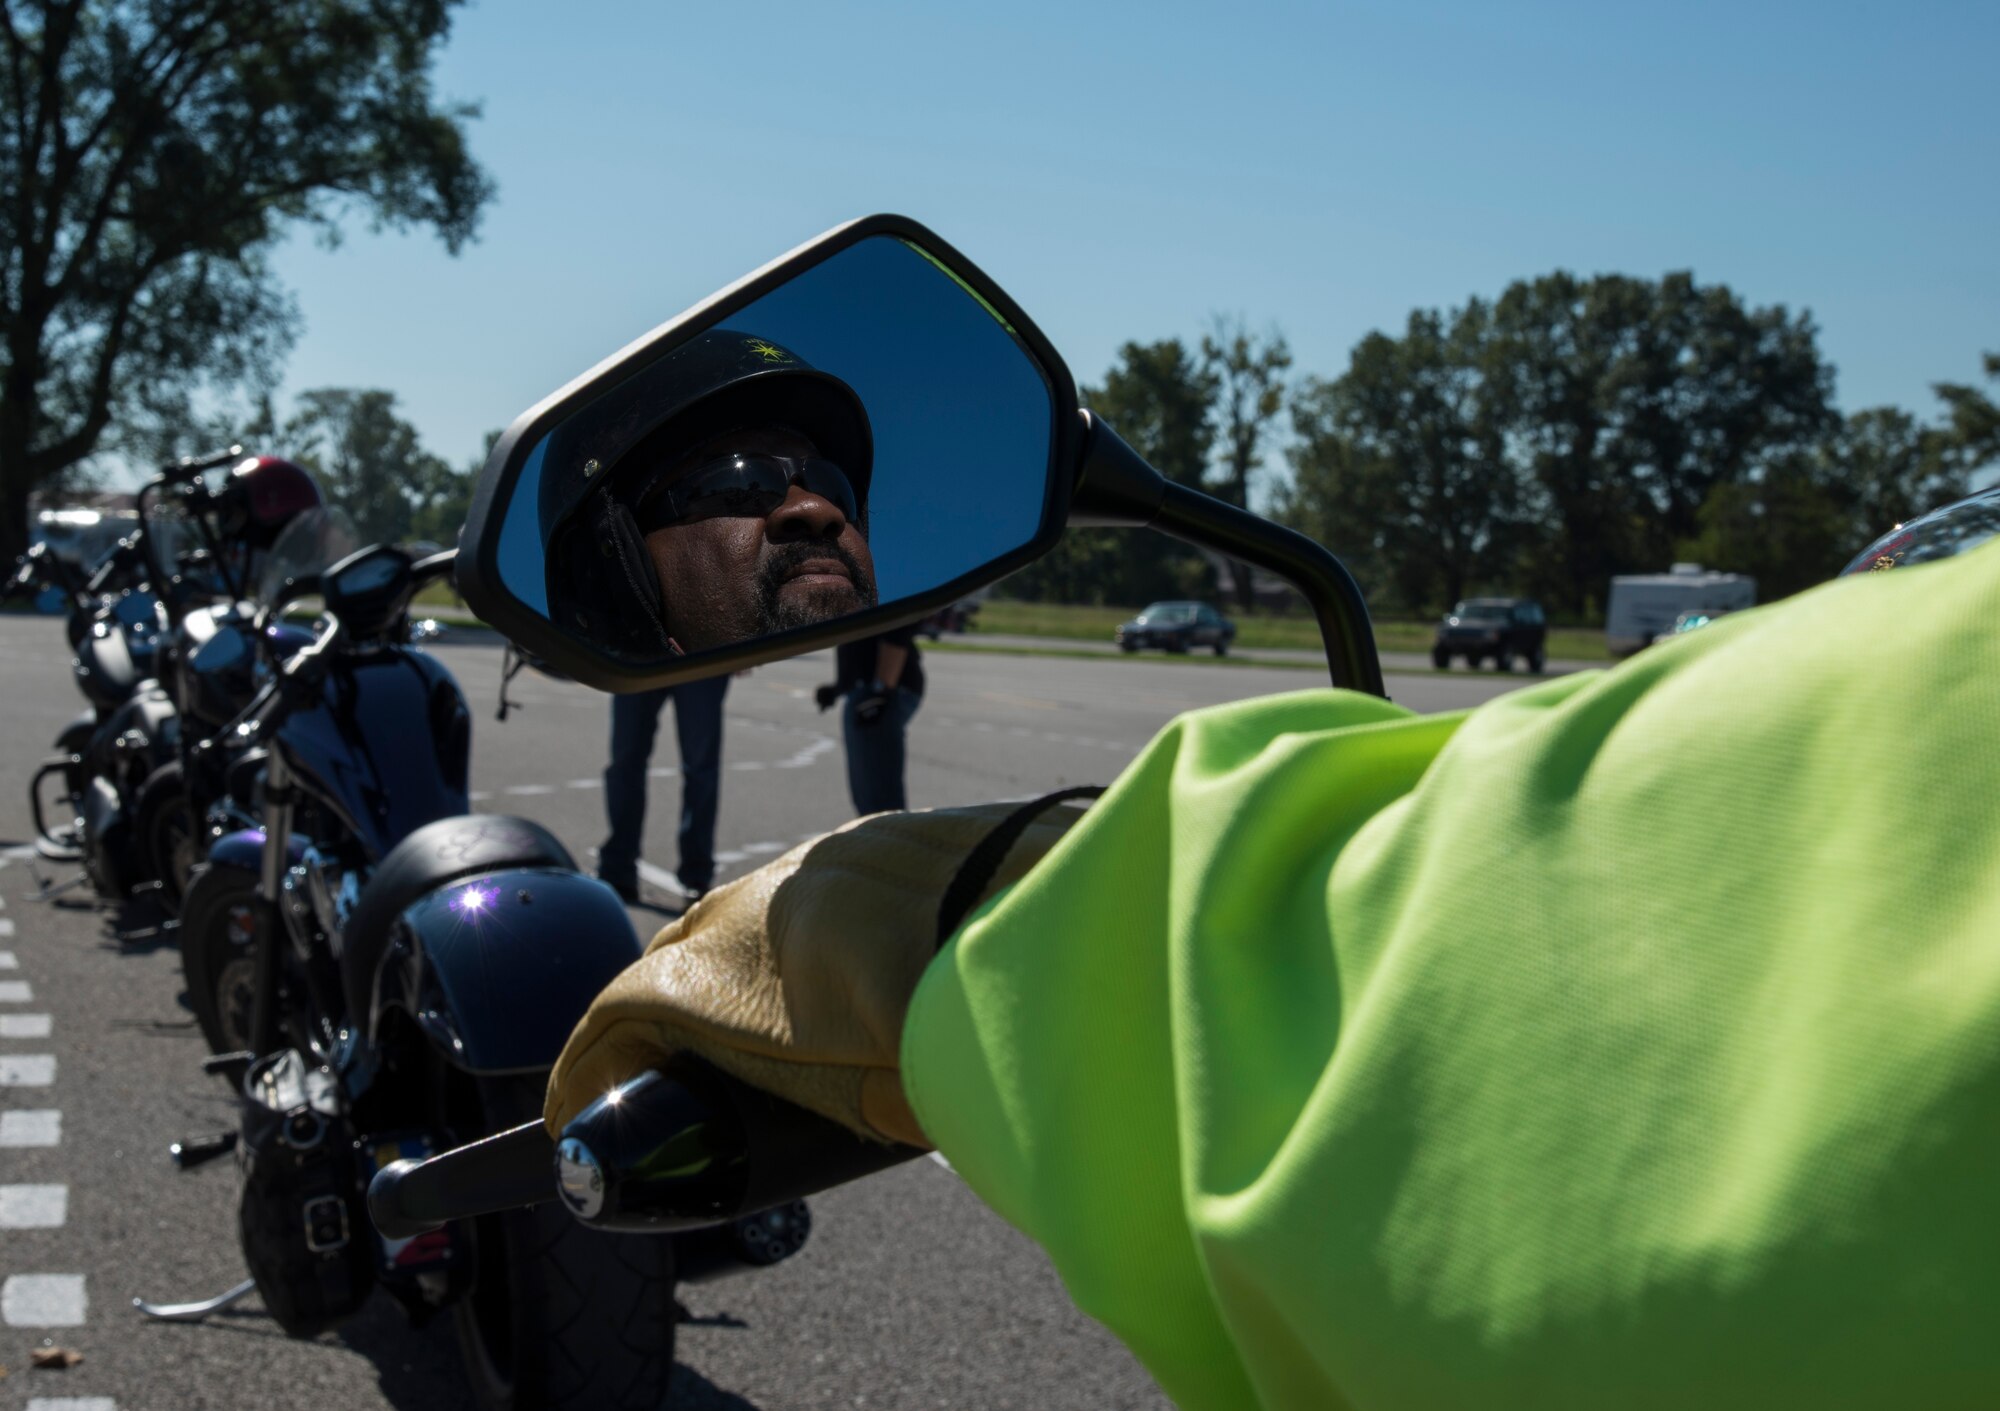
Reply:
x=497 y=969
x=245 y=849
x=76 y=736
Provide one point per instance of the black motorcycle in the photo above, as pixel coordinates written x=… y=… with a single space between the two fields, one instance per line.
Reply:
x=382 y=976
x=126 y=627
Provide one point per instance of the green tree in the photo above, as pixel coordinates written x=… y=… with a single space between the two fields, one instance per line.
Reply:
x=1249 y=371
x=1158 y=397
x=152 y=154
x=1974 y=418
x=1629 y=400
x=1805 y=514
x=1399 y=466
x=372 y=464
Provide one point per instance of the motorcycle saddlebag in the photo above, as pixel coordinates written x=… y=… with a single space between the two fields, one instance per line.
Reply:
x=305 y=1233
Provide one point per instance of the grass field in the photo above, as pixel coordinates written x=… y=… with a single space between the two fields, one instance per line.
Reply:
x=1391 y=635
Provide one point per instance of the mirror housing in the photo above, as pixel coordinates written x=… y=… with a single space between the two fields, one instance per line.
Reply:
x=621 y=382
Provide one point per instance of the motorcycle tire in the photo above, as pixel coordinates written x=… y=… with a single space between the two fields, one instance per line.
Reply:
x=219 y=912
x=560 y=1316
x=166 y=833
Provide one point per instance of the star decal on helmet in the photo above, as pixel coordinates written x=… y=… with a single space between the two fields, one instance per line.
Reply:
x=769 y=352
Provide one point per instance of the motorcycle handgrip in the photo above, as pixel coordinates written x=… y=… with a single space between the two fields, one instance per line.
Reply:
x=672 y=1149
x=506 y=1170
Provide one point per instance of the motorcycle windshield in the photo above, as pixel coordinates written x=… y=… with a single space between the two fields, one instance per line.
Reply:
x=313 y=542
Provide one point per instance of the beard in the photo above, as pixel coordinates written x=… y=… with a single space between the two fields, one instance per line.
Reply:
x=779 y=612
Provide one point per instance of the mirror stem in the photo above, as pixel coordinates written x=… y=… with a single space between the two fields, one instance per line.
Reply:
x=1116 y=486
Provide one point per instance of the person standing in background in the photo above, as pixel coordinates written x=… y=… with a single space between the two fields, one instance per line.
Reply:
x=635 y=721
x=882 y=679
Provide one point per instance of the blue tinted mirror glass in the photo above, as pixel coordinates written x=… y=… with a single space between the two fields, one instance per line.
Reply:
x=868 y=431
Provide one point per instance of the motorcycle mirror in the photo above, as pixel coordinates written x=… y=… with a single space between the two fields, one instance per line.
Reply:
x=852 y=437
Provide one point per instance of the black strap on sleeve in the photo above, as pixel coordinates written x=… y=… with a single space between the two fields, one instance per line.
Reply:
x=976 y=872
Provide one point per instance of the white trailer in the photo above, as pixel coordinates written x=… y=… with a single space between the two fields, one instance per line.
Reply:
x=1644 y=605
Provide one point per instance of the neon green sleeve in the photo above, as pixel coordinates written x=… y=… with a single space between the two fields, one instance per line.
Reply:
x=1633 y=1040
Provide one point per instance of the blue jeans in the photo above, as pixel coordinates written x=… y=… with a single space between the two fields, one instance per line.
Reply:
x=635 y=720
x=875 y=752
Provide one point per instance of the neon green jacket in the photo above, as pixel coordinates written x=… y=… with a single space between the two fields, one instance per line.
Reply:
x=1630 y=1041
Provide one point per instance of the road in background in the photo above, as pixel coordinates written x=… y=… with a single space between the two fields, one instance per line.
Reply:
x=911 y=1293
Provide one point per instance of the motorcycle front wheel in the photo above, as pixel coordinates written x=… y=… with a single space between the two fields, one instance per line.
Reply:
x=167 y=833
x=559 y=1315
x=219 y=917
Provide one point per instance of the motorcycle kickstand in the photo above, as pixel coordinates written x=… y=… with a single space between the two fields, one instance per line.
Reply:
x=149 y=933
x=194 y=1312
x=48 y=890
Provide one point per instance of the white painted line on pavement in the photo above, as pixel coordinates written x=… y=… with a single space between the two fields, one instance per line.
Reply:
x=478 y=796
x=759 y=849
x=527 y=789
x=584 y=784
x=730 y=858
x=33 y=1207
x=27 y=1070
x=25 y=1026
x=6 y=927
x=660 y=877
x=71 y=1403
x=43 y=1301
x=15 y=992
x=18 y=852
x=662 y=771
x=8 y=960
x=31 y=1128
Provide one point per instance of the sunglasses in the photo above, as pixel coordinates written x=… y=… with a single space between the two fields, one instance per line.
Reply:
x=745 y=485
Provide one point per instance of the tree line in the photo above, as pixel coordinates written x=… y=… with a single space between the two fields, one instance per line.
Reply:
x=1535 y=443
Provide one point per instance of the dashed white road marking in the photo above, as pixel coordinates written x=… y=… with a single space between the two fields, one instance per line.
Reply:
x=730 y=858
x=662 y=771
x=71 y=1403
x=33 y=1207
x=6 y=927
x=43 y=1301
x=529 y=789
x=478 y=796
x=31 y=1128
x=27 y=1070
x=584 y=784
x=759 y=849
x=8 y=960
x=15 y=992
x=25 y=1026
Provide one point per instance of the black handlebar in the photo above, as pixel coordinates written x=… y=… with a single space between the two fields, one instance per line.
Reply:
x=191 y=467
x=670 y=1150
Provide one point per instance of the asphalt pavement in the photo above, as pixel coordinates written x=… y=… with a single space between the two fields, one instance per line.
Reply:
x=910 y=1294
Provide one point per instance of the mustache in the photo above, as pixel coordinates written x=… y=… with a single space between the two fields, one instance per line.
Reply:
x=784 y=558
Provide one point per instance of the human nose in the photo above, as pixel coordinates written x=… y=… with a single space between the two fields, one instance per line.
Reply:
x=804 y=516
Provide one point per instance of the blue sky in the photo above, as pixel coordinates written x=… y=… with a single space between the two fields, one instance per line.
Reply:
x=1127 y=170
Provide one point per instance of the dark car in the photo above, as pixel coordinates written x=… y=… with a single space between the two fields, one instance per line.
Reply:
x=1496 y=629
x=1177 y=627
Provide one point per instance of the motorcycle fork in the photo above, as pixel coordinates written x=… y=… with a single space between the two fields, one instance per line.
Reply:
x=279 y=797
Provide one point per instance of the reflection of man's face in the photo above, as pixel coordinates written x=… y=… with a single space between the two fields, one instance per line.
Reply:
x=734 y=577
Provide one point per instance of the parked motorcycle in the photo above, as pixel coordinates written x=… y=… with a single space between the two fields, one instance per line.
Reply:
x=119 y=623
x=382 y=976
x=976 y=455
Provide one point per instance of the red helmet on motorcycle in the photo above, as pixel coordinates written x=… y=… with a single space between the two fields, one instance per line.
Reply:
x=263 y=494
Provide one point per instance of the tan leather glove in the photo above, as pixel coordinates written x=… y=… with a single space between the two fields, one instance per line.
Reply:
x=797 y=977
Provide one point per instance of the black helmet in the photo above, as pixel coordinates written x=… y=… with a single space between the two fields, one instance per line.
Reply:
x=1961 y=525
x=600 y=578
